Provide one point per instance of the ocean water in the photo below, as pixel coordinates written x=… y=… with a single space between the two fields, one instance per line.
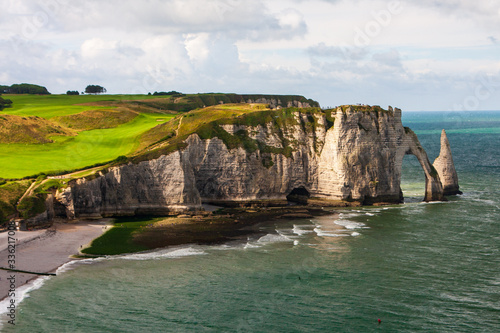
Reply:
x=417 y=267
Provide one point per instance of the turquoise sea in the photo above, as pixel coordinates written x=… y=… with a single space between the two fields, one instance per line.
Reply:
x=417 y=267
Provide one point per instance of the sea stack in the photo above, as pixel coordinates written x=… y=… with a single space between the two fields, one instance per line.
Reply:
x=446 y=169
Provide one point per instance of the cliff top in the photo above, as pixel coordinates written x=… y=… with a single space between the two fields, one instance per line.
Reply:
x=208 y=123
x=363 y=108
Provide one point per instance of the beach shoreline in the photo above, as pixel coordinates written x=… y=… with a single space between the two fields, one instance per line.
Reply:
x=46 y=250
x=43 y=251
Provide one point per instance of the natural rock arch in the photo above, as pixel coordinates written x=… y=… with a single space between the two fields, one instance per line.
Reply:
x=433 y=186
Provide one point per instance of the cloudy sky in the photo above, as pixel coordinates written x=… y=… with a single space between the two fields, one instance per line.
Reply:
x=414 y=54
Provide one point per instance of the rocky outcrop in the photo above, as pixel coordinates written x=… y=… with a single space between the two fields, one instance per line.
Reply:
x=358 y=159
x=446 y=168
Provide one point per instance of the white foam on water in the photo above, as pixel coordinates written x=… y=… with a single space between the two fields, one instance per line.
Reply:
x=70 y=264
x=322 y=233
x=301 y=229
x=355 y=234
x=433 y=202
x=250 y=245
x=224 y=247
x=21 y=294
x=164 y=254
x=295 y=242
x=485 y=201
x=350 y=224
x=348 y=215
x=23 y=291
x=274 y=238
x=286 y=233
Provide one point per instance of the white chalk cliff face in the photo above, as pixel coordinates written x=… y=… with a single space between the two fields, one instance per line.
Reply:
x=358 y=159
x=363 y=155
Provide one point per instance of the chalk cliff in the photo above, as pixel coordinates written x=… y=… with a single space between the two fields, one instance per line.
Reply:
x=350 y=154
x=363 y=155
x=446 y=168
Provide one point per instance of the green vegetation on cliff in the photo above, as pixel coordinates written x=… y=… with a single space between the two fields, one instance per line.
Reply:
x=32 y=205
x=10 y=193
x=209 y=122
x=184 y=103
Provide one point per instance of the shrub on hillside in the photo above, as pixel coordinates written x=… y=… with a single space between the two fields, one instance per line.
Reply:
x=32 y=206
x=4 y=103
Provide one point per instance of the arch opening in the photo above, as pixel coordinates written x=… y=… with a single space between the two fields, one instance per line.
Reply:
x=412 y=179
x=298 y=196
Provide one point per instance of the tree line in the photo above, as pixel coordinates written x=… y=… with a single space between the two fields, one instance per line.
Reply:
x=24 y=88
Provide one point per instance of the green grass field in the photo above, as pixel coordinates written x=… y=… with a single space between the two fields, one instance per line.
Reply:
x=48 y=106
x=73 y=152
x=70 y=153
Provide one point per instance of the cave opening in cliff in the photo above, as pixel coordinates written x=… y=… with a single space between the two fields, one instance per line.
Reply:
x=298 y=196
x=412 y=179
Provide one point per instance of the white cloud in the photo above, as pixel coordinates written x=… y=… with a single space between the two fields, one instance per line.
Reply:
x=197 y=46
x=429 y=48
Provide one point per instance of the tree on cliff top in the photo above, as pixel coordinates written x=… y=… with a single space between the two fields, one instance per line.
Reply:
x=93 y=89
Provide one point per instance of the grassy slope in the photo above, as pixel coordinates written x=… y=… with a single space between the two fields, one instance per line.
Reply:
x=206 y=123
x=163 y=138
x=96 y=119
x=31 y=130
x=69 y=153
x=72 y=152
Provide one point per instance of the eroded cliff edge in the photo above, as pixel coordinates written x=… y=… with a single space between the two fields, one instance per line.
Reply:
x=349 y=154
